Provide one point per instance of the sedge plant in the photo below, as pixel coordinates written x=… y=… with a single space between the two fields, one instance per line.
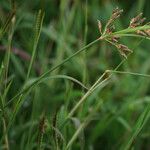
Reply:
x=136 y=28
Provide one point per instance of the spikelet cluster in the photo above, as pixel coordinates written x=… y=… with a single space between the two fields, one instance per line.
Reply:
x=114 y=39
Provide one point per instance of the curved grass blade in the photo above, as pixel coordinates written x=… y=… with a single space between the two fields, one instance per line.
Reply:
x=30 y=84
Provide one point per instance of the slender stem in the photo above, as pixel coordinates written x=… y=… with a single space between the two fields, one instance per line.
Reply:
x=4 y=124
x=76 y=134
x=85 y=42
x=8 y=53
x=93 y=87
x=7 y=60
x=5 y=135
x=86 y=95
x=83 y=125
x=67 y=59
x=55 y=67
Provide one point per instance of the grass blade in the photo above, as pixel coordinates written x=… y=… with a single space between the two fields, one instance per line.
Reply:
x=7 y=24
x=142 y=120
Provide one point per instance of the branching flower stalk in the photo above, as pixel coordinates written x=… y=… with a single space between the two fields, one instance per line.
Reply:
x=124 y=51
x=113 y=37
x=114 y=40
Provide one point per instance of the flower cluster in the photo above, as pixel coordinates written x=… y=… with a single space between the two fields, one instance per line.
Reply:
x=110 y=27
x=138 y=21
x=114 y=39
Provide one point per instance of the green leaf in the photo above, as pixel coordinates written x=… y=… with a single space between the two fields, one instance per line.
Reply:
x=142 y=120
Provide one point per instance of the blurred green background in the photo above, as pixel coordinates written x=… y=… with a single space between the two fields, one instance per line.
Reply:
x=65 y=30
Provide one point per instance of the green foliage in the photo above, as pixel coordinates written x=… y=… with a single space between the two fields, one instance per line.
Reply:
x=62 y=84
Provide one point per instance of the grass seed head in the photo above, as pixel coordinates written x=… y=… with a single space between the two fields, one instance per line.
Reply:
x=124 y=50
x=115 y=39
x=147 y=32
x=115 y=15
x=99 y=26
x=137 y=21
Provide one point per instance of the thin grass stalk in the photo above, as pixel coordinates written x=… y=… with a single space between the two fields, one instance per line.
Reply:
x=93 y=87
x=85 y=96
x=6 y=136
x=85 y=42
x=39 y=21
x=7 y=24
x=54 y=68
x=4 y=124
x=10 y=21
x=83 y=125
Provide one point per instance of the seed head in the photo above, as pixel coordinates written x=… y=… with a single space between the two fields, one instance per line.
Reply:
x=115 y=15
x=99 y=26
x=147 y=32
x=123 y=49
x=115 y=39
x=137 y=21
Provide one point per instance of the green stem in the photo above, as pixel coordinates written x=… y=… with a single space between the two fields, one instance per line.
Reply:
x=85 y=96
x=93 y=87
x=54 y=68
x=5 y=136
x=66 y=60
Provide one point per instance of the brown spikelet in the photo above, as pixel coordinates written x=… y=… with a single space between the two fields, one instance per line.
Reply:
x=141 y=33
x=42 y=127
x=114 y=39
x=110 y=24
x=110 y=29
x=124 y=50
x=147 y=32
x=99 y=26
x=138 y=20
x=115 y=15
x=55 y=135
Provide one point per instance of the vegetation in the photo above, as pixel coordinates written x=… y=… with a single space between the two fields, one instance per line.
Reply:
x=74 y=75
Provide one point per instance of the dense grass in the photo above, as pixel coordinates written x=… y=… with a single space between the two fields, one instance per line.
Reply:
x=64 y=85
